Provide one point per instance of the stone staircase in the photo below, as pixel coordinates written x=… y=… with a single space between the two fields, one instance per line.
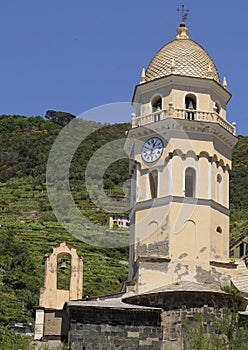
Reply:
x=241 y=279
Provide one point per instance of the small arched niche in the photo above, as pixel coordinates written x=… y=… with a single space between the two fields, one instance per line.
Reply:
x=190 y=182
x=190 y=105
x=156 y=103
x=153 y=181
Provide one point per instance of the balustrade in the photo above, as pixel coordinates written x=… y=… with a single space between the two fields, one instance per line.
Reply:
x=188 y=114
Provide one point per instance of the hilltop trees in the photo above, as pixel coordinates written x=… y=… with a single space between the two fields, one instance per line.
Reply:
x=61 y=118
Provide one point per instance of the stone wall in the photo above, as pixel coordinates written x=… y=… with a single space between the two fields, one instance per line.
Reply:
x=178 y=323
x=108 y=329
x=114 y=329
x=162 y=321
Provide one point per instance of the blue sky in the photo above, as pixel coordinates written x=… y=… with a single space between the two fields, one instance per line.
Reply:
x=76 y=55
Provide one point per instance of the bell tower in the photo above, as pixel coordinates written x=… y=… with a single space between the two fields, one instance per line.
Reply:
x=180 y=147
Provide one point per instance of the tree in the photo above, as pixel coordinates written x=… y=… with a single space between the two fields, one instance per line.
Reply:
x=61 y=118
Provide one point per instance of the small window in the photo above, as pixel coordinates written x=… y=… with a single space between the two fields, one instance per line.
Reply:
x=219 y=229
x=219 y=178
x=156 y=104
x=190 y=179
x=153 y=179
x=219 y=188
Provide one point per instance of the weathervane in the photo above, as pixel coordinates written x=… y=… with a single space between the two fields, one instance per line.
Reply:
x=184 y=12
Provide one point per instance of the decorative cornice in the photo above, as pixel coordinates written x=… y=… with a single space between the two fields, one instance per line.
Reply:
x=182 y=125
x=174 y=79
x=153 y=203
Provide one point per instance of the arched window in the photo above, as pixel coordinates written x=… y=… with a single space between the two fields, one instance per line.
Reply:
x=190 y=106
x=156 y=104
x=153 y=180
x=63 y=271
x=190 y=182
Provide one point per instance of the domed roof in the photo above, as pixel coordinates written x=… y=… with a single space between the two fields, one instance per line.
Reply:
x=182 y=56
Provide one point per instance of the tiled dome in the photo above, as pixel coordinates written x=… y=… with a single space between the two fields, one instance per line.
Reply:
x=183 y=57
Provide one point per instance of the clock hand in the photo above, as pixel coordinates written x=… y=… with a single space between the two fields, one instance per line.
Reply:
x=148 y=147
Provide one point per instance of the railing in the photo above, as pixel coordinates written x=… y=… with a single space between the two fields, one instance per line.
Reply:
x=150 y=118
x=187 y=114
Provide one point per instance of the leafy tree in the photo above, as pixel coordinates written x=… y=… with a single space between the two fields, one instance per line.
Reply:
x=61 y=118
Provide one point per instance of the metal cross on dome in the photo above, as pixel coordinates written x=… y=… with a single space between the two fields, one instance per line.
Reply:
x=184 y=12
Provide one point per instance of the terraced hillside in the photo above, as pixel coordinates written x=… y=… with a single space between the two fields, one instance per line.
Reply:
x=239 y=190
x=29 y=229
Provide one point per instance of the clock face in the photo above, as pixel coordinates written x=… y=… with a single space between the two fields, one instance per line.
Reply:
x=152 y=150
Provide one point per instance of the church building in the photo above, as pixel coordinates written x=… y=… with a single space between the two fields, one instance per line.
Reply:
x=180 y=145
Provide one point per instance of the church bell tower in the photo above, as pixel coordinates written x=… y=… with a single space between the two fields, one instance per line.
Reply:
x=180 y=147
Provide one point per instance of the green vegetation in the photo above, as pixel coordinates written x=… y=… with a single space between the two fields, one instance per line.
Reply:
x=12 y=341
x=239 y=190
x=61 y=118
x=221 y=334
x=29 y=229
